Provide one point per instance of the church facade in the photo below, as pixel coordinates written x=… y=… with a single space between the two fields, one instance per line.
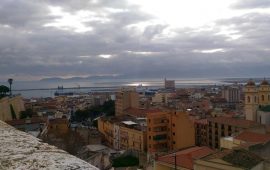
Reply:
x=256 y=98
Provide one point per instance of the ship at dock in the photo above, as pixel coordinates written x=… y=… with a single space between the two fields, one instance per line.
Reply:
x=61 y=91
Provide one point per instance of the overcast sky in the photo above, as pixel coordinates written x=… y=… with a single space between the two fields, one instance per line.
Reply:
x=134 y=38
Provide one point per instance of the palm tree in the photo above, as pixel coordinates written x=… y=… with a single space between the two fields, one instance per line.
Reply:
x=10 y=83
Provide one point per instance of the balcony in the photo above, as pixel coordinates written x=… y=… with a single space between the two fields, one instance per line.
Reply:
x=160 y=137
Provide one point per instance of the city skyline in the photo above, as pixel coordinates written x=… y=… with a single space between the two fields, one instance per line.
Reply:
x=134 y=38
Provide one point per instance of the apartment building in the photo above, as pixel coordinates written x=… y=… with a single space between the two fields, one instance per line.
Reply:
x=231 y=94
x=126 y=98
x=133 y=138
x=123 y=133
x=169 y=84
x=168 y=131
x=201 y=126
x=226 y=126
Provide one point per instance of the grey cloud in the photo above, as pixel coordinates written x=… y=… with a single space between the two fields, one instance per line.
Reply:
x=29 y=48
x=250 y=4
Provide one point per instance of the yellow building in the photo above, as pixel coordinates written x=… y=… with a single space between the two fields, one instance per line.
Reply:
x=256 y=97
x=169 y=131
x=106 y=128
x=59 y=125
x=161 y=98
x=122 y=133
x=132 y=138
x=126 y=98
x=6 y=103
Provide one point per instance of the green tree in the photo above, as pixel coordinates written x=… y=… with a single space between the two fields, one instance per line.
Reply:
x=26 y=113
x=3 y=91
x=95 y=111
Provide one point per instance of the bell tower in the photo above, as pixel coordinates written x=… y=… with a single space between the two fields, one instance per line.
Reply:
x=264 y=93
x=251 y=100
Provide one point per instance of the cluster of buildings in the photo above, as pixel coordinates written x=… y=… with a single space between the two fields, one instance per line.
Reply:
x=210 y=127
x=194 y=128
x=66 y=105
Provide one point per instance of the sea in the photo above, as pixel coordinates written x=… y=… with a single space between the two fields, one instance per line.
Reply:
x=36 y=89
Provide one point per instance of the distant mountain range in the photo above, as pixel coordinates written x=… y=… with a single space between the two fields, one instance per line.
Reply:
x=111 y=77
x=81 y=78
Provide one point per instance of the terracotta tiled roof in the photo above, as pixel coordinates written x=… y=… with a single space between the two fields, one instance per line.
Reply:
x=26 y=121
x=253 y=137
x=58 y=121
x=234 y=122
x=184 y=158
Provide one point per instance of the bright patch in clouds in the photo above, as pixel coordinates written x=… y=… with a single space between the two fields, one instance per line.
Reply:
x=105 y=56
x=145 y=53
x=210 y=50
x=187 y=13
x=74 y=22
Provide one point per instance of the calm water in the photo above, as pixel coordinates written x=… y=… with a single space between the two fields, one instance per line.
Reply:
x=49 y=87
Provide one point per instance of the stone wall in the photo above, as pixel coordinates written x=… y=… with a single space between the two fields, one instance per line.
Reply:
x=19 y=150
x=5 y=111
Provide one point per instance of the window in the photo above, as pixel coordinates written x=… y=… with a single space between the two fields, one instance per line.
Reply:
x=262 y=97
x=173 y=142
x=173 y=134
x=149 y=137
x=149 y=129
x=248 y=99
x=255 y=99
x=173 y=125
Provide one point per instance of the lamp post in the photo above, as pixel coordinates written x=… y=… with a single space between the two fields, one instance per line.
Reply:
x=10 y=83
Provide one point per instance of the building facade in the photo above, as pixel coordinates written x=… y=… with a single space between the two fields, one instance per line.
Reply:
x=256 y=98
x=169 y=84
x=11 y=104
x=219 y=127
x=126 y=98
x=231 y=94
x=122 y=134
x=168 y=131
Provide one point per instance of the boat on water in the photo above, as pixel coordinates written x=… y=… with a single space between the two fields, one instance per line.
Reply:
x=62 y=92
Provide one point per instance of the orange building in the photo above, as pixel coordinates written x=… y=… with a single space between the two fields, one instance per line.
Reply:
x=126 y=98
x=169 y=131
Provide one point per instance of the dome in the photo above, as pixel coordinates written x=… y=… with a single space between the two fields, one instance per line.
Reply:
x=250 y=83
x=264 y=82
